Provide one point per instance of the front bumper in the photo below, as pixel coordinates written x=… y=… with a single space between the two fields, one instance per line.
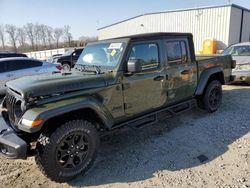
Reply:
x=11 y=145
x=241 y=76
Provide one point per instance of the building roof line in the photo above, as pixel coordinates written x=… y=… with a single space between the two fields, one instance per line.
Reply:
x=178 y=10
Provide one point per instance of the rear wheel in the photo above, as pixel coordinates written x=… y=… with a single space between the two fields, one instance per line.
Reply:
x=69 y=151
x=66 y=67
x=212 y=97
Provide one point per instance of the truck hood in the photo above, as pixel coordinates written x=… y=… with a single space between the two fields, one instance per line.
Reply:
x=53 y=83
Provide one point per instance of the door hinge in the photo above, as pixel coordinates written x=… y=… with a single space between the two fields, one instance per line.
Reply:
x=127 y=106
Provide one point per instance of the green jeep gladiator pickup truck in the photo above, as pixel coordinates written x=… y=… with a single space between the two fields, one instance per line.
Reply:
x=129 y=81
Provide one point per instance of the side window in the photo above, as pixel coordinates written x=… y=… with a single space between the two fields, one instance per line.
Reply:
x=2 y=67
x=177 y=52
x=78 y=52
x=22 y=64
x=32 y=63
x=148 y=53
x=184 y=54
x=12 y=65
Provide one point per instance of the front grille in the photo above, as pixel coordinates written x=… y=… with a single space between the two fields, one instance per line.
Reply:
x=13 y=106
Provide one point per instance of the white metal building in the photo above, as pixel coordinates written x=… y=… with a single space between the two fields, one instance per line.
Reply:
x=228 y=24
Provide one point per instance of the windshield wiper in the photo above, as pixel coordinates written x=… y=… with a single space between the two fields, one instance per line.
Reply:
x=87 y=68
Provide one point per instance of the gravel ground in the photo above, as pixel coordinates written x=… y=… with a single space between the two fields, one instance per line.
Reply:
x=194 y=149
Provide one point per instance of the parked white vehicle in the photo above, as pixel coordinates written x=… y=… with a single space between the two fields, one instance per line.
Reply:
x=12 y=68
x=241 y=54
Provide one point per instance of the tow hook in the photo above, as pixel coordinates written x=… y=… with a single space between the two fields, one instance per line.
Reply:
x=3 y=131
x=3 y=109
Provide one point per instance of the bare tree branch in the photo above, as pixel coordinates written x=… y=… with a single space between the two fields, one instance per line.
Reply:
x=21 y=36
x=13 y=35
x=50 y=38
x=2 y=36
x=67 y=34
x=29 y=28
x=58 y=32
x=43 y=34
x=37 y=35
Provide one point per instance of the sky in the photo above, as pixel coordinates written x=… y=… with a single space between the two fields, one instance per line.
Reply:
x=86 y=16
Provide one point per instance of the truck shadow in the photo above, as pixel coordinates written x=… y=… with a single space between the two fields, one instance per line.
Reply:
x=186 y=141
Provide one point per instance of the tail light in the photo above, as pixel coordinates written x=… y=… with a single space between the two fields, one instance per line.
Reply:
x=59 y=67
x=233 y=64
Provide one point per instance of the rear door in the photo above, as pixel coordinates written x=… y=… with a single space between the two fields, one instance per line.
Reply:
x=181 y=71
x=145 y=91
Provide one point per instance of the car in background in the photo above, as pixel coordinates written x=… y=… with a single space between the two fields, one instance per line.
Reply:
x=12 y=68
x=241 y=54
x=69 y=59
x=9 y=54
x=54 y=58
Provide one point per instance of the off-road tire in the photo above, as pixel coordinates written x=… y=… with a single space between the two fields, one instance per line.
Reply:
x=49 y=145
x=211 y=98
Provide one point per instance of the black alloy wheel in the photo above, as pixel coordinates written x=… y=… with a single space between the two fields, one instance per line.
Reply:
x=68 y=151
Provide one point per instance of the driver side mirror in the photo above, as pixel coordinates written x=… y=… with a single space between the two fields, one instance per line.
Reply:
x=134 y=65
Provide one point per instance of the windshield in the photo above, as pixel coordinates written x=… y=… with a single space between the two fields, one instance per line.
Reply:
x=102 y=54
x=237 y=51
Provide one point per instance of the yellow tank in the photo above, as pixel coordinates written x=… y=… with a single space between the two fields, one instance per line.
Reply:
x=209 y=46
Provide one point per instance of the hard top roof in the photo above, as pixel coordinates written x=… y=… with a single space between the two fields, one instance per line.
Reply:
x=154 y=35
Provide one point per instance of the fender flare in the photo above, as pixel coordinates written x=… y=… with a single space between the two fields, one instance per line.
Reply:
x=204 y=77
x=46 y=115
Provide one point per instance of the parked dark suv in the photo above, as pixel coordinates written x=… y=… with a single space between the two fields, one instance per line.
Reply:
x=8 y=54
x=69 y=59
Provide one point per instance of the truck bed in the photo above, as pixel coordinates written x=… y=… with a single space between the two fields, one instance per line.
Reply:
x=206 y=61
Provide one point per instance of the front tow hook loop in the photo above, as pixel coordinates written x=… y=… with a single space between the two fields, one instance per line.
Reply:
x=3 y=110
x=2 y=131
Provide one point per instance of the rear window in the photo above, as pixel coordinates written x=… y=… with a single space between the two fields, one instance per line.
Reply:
x=78 y=52
x=237 y=51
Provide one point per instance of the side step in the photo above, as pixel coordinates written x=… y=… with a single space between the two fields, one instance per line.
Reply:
x=154 y=117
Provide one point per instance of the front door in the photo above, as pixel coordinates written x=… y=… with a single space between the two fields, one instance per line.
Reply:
x=181 y=70
x=146 y=90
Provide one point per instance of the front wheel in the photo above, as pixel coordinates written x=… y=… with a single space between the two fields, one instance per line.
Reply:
x=69 y=151
x=212 y=98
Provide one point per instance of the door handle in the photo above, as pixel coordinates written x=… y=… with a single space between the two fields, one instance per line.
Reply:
x=185 y=72
x=159 y=78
